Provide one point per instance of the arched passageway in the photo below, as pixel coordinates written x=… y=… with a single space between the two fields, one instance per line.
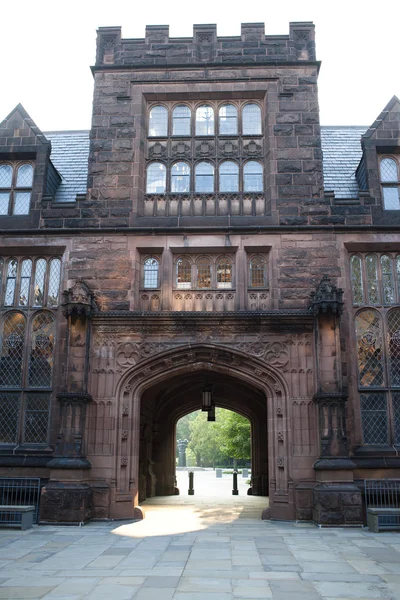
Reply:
x=165 y=403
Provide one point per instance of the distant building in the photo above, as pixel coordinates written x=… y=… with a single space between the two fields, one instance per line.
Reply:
x=205 y=240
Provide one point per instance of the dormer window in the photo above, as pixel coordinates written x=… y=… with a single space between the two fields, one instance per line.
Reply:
x=16 y=181
x=389 y=169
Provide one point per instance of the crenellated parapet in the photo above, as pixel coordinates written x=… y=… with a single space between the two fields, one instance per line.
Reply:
x=252 y=46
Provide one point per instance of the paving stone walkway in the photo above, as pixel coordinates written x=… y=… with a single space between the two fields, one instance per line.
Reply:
x=199 y=550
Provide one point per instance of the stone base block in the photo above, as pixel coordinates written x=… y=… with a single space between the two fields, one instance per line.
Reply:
x=62 y=502
x=337 y=504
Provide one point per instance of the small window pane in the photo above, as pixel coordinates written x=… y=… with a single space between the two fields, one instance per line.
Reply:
x=224 y=274
x=10 y=405
x=228 y=120
x=204 y=177
x=388 y=170
x=22 y=201
x=257 y=273
x=394 y=346
x=12 y=350
x=398 y=274
x=11 y=282
x=205 y=120
x=5 y=176
x=26 y=272
x=150 y=269
x=229 y=177
x=4 y=202
x=183 y=274
x=374 y=418
x=391 y=198
x=356 y=280
x=204 y=274
x=253 y=177
x=396 y=415
x=156 y=178
x=371 y=263
x=158 y=122
x=251 y=116
x=41 y=350
x=25 y=176
x=38 y=295
x=387 y=280
x=180 y=178
x=53 y=296
x=181 y=120
x=36 y=418
x=369 y=348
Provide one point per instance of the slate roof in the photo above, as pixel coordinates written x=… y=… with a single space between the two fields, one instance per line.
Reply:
x=341 y=149
x=69 y=155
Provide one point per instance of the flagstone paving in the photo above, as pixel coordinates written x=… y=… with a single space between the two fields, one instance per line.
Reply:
x=199 y=549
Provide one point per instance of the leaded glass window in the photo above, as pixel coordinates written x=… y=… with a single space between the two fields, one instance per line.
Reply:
x=10 y=406
x=224 y=273
x=390 y=181
x=228 y=177
x=371 y=263
x=181 y=120
x=396 y=416
x=204 y=273
x=12 y=350
x=41 y=355
x=158 y=122
x=40 y=276
x=11 y=282
x=257 y=273
x=205 y=120
x=180 y=178
x=183 y=274
x=204 y=176
x=228 y=120
x=150 y=273
x=370 y=348
x=16 y=182
x=387 y=279
x=253 y=176
x=53 y=295
x=393 y=325
x=36 y=418
x=356 y=280
x=156 y=178
x=251 y=120
x=374 y=418
x=25 y=282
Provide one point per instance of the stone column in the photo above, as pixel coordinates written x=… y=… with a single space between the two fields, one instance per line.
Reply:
x=182 y=445
x=336 y=499
x=67 y=497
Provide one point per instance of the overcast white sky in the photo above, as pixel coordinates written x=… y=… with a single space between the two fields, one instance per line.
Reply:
x=46 y=48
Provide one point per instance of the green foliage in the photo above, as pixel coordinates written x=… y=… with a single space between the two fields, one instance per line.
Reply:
x=235 y=436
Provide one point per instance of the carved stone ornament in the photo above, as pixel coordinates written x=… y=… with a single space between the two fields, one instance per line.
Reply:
x=205 y=149
x=180 y=149
x=78 y=300
x=276 y=354
x=127 y=355
x=280 y=462
x=252 y=148
x=302 y=36
x=157 y=151
x=228 y=148
x=204 y=39
x=327 y=298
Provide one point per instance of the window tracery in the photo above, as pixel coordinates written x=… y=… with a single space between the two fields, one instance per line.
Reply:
x=16 y=180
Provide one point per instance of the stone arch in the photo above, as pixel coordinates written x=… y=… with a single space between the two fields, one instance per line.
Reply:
x=191 y=359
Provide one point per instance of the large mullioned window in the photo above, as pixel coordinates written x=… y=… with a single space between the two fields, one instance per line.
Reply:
x=375 y=288
x=30 y=296
x=204 y=272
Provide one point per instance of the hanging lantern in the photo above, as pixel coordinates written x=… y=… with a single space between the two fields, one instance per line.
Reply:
x=206 y=397
x=211 y=414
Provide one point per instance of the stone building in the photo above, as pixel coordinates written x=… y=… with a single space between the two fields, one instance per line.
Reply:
x=205 y=235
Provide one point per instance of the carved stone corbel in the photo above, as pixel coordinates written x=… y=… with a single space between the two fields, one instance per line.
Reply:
x=327 y=298
x=78 y=300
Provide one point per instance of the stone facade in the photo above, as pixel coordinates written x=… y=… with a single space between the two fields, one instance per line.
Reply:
x=131 y=358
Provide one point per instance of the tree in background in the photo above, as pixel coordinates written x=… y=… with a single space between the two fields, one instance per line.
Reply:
x=235 y=436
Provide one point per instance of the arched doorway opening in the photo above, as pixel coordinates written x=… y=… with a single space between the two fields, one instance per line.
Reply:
x=165 y=403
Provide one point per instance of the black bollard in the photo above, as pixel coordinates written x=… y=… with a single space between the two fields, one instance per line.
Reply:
x=191 y=488
x=235 y=491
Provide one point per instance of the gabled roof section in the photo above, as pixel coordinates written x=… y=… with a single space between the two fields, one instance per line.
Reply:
x=342 y=152
x=70 y=155
x=386 y=115
x=17 y=125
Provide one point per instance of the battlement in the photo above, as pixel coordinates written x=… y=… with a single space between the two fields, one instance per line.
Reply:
x=252 y=46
